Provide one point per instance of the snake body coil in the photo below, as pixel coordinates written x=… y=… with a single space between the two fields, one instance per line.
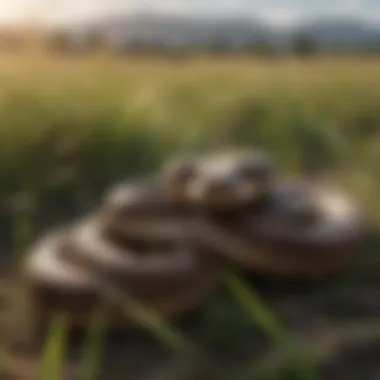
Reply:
x=280 y=227
x=165 y=271
x=302 y=232
x=159 y=240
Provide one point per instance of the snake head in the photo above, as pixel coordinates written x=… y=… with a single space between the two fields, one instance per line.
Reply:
x=219 y=180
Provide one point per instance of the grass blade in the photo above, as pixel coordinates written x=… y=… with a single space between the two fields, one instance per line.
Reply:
x=272 y=327
x=147 y=318
x=92 y=349
x=54 y=350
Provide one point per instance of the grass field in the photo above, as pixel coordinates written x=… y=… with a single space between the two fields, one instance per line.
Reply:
x=110 y=110
x=70 y=127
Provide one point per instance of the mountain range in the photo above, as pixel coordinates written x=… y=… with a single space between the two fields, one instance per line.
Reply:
x=326 y=33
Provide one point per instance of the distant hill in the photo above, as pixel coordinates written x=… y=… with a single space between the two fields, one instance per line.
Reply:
x=177 y=31
x=183 y=30
x=341 y=33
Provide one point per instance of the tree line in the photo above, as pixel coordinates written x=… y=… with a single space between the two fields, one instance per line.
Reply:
x=59 y=42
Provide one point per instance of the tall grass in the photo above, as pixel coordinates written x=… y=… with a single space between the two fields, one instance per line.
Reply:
x=124 y=118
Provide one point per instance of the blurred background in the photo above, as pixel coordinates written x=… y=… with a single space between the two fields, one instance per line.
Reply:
x=96 y=91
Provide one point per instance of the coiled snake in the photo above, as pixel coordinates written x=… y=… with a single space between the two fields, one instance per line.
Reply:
x=199 y=210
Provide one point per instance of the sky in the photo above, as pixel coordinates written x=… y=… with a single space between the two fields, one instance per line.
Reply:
x=276 y=11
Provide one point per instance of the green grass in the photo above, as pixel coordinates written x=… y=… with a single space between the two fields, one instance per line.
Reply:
x=300 y=364
x=146 y=318
x=71 y=128
x=99 y=121
x=53 y=354
x=92 y=348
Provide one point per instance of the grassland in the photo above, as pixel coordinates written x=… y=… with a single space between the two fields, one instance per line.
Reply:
x=70 y=127
x=123 y=117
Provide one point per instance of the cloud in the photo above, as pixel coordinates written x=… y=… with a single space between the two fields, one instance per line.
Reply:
x=283 y=11
x=279 y=17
